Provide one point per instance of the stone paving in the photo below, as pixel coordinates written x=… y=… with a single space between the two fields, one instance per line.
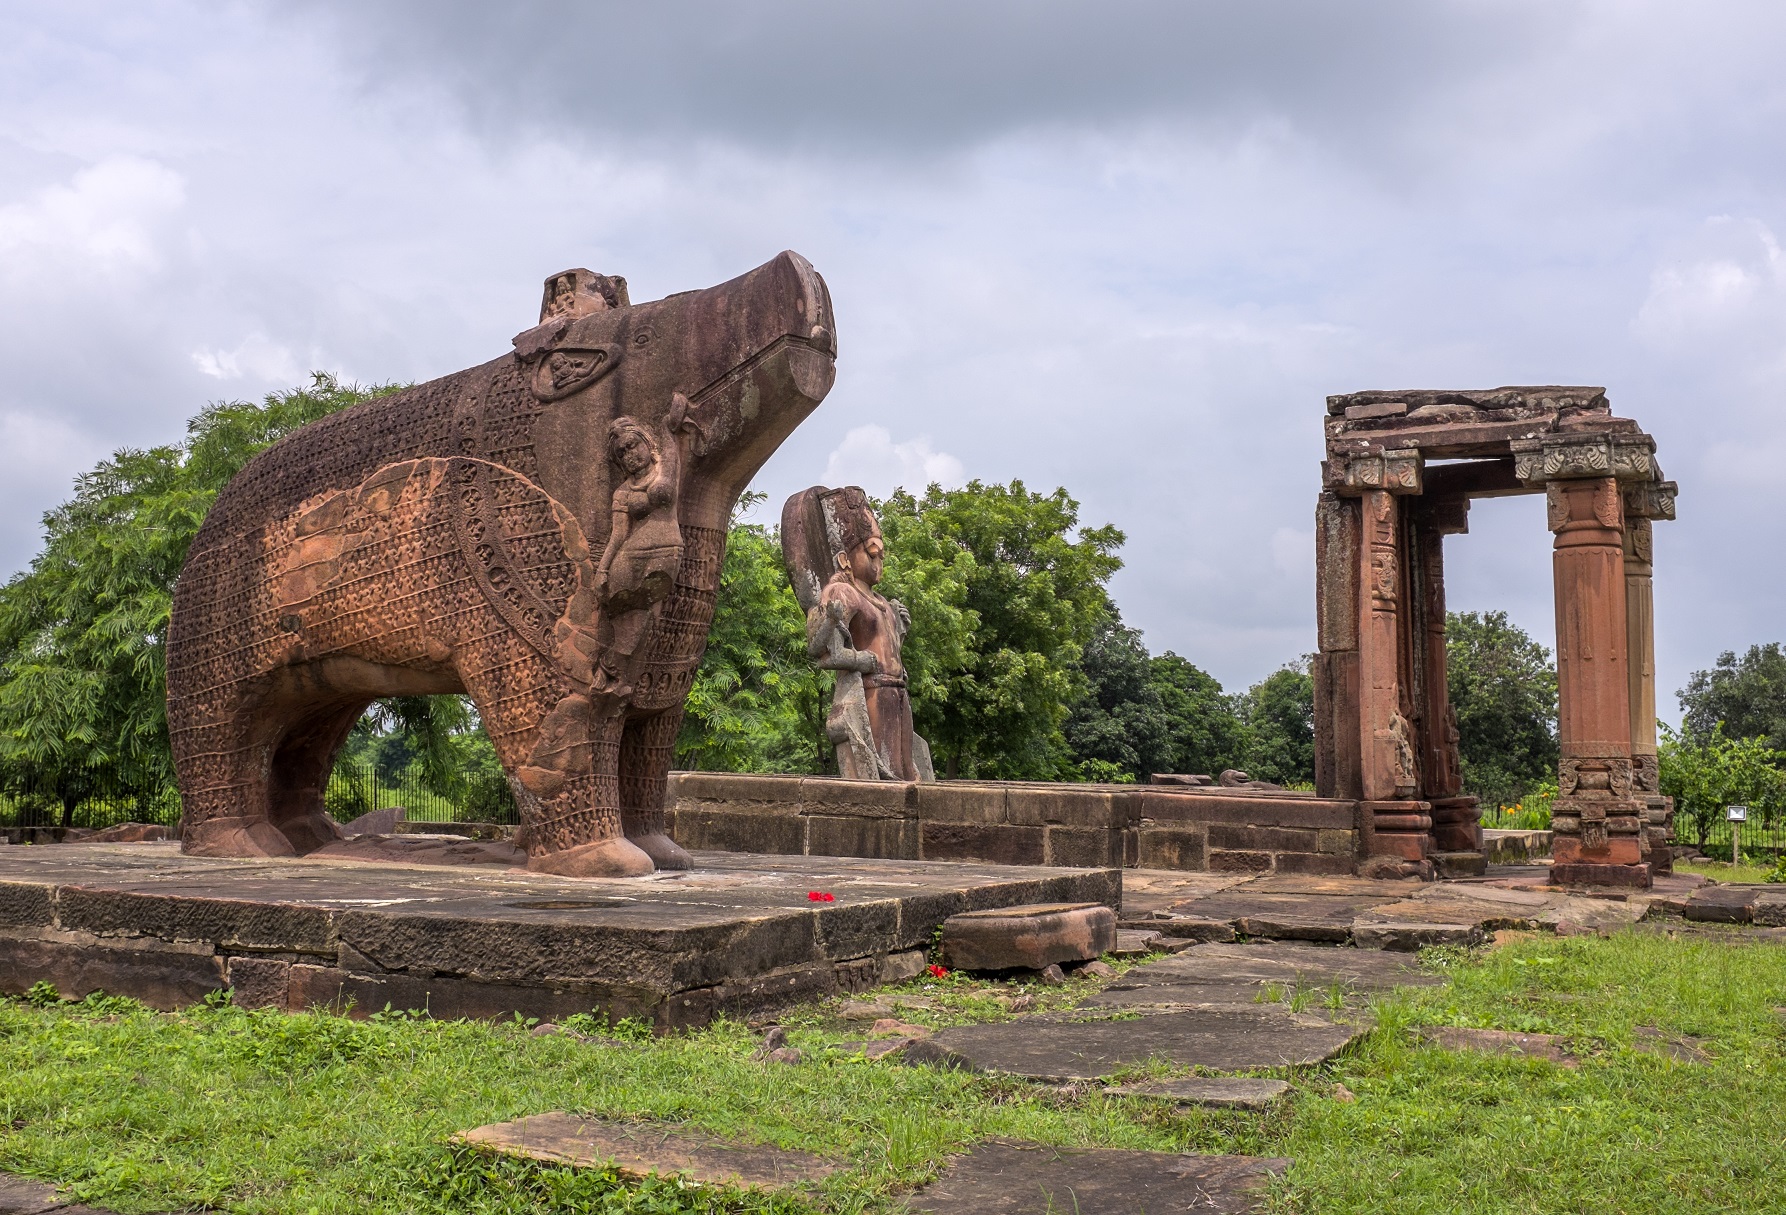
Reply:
x=1004 y=1178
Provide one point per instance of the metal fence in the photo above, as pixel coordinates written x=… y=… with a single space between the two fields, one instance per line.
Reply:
x=354 y=789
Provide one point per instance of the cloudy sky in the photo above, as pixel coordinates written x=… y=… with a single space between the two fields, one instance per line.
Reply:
x=1124 y=247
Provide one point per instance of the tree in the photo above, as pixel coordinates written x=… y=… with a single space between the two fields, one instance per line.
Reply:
x=1705 y=774
x=1503 y=688
x=1278 y=717
x=83 y=629
x=1118 y=728
x=1206 y=733
x=1747 y=694
x=994 y=690
x=757 y=703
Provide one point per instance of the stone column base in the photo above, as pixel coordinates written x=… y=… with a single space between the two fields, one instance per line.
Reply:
x=1399 y=828
x=1457 y=824
x=1581 y=873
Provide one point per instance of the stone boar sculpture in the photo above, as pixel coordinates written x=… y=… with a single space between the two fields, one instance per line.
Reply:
x=544 y=532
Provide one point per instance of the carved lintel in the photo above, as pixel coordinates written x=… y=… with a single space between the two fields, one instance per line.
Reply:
x=1554 y=458
x=1650 y=499
x=1449 y=516
x=1395 y=471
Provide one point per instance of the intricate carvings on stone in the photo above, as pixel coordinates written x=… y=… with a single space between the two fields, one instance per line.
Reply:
x=833 y=548
x=1395 y=471
x=505 y=532
x=1650 y=499
x=1627 y=457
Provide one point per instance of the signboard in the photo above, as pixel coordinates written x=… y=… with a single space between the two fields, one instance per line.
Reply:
x=1737 y=814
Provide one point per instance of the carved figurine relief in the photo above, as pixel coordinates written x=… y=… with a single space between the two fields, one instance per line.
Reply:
x=834 y=551
x=544 y=533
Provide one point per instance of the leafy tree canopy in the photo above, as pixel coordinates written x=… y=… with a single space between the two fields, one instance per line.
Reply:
x=1747 y=694
x=83 y=630
x=993 y=678
x=1706 y=774
x=1278 y=716
x=1503 y=688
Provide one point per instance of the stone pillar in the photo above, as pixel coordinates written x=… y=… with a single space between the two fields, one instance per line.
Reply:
x=1389 y=770
x=1598 y=822
x=1338 y=536
x=1643 y=502
x=1456 y=817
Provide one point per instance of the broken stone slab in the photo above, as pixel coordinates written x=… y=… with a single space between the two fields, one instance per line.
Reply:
x=1033 y=936
x=1770 y=909
x=1723 y=904
x=1402 y=936
x=1135 y=943
x=1185 y=928
x=638 y=1150
x=1002 y=1177
x=1063 y=1049
x=1548 y=1047
x=1213 y=1092
x=1653 y=1041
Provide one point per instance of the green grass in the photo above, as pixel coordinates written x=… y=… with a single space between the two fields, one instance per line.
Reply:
x=1724 y=871
x=263 y=1112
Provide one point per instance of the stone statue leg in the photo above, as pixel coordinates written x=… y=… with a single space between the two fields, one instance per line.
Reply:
x=564 y=756
x=223 y=791
x=647 y=752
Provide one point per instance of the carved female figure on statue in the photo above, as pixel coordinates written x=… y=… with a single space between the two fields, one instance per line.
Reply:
x=855 y=631
x=644 y=550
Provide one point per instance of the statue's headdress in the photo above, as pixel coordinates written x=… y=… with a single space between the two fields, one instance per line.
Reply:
x=818 y=525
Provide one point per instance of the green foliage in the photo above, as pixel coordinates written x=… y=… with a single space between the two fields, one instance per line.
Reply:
x=1706 y=774
x=1119 y=729
x=1503 y=688
x=1747 y=694
x=1278 y=717
x=1206 y=733
x=757 y=703
x=1018 y=589
x=83 y=630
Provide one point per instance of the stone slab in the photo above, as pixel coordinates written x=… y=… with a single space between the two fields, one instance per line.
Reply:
x=1028 y=937
x=22 y=1196
x=1001 y=1177
x=1212 y=1092
x=1061 y=1049
x=639 y=1149
x=739 y=933
x=1727 y=904
x=1241 y=976
x=1549 y=1047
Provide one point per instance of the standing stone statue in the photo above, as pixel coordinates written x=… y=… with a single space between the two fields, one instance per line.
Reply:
x=832 y=544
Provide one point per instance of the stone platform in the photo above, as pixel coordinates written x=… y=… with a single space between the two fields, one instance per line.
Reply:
x=739 y=934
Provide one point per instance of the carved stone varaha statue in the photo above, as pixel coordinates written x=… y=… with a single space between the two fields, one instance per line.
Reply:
x=544 y=533
x=834 y=552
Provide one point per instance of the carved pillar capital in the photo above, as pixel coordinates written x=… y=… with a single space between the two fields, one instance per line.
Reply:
x=1584 y=505
x=1650 y=499
x=1398 y=472
x=1629 y=457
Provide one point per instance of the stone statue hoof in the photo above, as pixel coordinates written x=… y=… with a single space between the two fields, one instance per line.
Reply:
x=664 y=851
x=235 y=837
x=605 y=859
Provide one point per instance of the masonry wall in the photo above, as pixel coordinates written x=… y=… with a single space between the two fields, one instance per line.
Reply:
x=1015 y=823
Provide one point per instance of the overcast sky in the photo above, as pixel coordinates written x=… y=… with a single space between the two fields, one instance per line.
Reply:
x=1125 y=247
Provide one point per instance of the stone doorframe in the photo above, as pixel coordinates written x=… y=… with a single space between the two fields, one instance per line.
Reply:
x=1401 y=471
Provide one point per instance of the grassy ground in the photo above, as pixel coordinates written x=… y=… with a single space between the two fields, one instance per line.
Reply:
x=261 y=1112
x=1724 y=871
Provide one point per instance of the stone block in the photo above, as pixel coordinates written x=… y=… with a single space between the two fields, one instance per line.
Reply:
x=259 y=983
x=1172 y=848
x=1061 y=806
x=961 y=802
x=903 y=967
x=894 y=839
x=846 y=930
x=1084 y=848
x=1209 y=1092
x=867 y=798
x=1324 y=863
x=1166 y=805
x=168 y=979
x=361 y=995
x=1336 y=841
x=638 y=1150
x=1634 y=877
x=1225 y=861
x=226 y=922
x=1722 y=904
x=27 y=906
x=998 y=845
x=1028 y=938
x=781 y=833
x=1262 y=839
x=686 y=787
x=1406 y=937
x=1001 y=1177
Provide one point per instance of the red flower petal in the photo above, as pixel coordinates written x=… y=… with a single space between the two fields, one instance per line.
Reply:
x=821 y=896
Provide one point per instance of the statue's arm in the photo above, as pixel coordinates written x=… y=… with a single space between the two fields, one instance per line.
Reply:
x=828 y=639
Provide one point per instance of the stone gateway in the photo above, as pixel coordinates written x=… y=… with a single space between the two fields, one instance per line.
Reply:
x=544 y=533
